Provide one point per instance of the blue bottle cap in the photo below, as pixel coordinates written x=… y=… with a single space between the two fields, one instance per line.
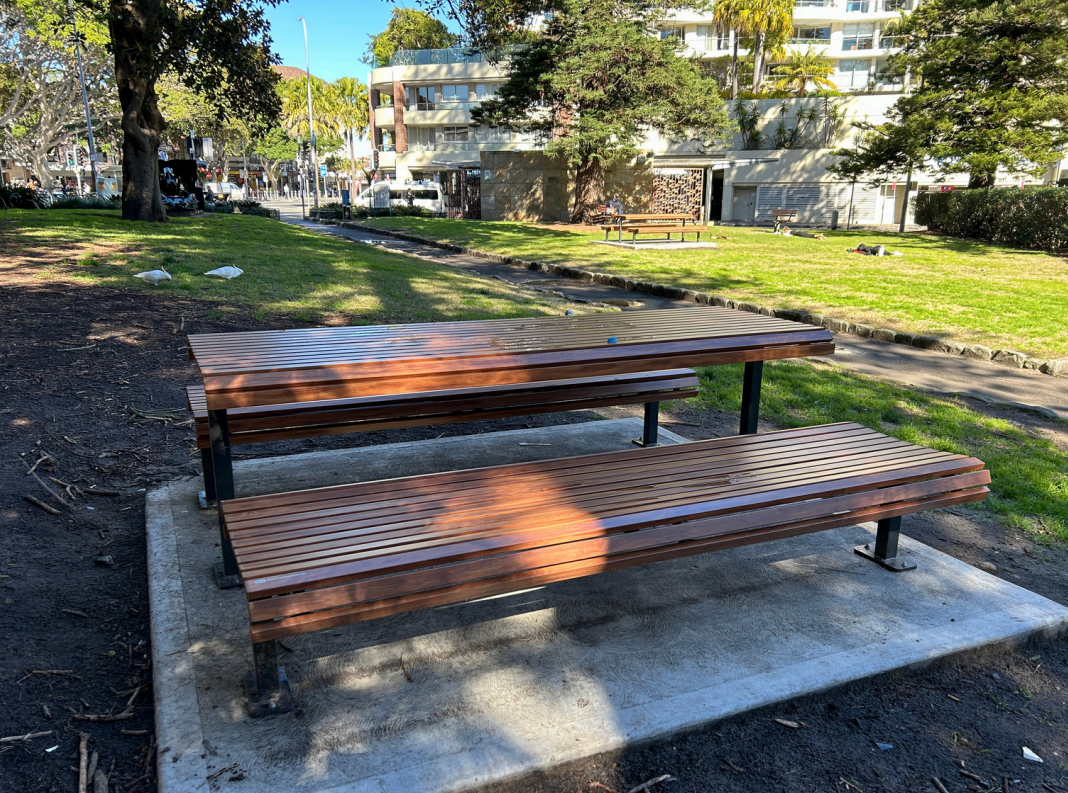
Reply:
x=611 y=339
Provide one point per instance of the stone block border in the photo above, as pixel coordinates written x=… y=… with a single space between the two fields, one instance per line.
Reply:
x=1013 y=358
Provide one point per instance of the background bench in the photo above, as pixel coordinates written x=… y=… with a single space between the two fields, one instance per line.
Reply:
x=364 y=414
x=781 y=216
x=321 y=558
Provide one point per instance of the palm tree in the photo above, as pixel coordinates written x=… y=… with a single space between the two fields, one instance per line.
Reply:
x=350 y=115
x=801 y=69
x=730 y=15
x=765 y=23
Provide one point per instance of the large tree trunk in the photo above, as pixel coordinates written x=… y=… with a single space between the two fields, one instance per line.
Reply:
x=978 y=180
x=589 y=188
x=135 y=32
x=734 y=67
x=758 y=61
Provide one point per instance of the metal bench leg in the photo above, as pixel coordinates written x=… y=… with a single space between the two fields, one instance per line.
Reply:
x=266 y=686
x=651 y=427
x=207 y=496
x=226 y=575
x=885 y=550
x=754 y=372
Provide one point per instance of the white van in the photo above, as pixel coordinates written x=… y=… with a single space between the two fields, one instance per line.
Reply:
x=381 y=194
x=229 y=189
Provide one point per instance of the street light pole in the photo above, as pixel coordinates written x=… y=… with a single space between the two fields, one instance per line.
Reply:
x=311 y=121
x=85 y=101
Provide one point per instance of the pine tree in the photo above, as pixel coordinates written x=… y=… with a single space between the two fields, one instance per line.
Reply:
x=592 y=84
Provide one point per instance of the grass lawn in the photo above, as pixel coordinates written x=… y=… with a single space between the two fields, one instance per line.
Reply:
x=968 y=291
x=1028 y=468
x=288 y=270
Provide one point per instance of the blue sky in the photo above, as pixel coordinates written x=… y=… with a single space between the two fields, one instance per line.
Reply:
x=337 y=34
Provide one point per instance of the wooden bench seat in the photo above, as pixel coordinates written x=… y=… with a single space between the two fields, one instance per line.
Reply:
x=364 y=414
x=634 y=229
x=316 y=559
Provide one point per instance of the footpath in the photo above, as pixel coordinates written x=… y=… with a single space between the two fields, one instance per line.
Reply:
x=923 y=369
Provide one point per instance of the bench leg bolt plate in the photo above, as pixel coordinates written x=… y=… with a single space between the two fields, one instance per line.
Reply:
x=895 y=564
x=224 y=581
x=278 y=701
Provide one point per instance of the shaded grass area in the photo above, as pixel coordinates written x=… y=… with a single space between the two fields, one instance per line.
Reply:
x=287 y=270
x=1029 y=472
x=969 y=291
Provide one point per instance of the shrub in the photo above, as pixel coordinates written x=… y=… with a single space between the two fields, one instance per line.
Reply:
x=259 y=211
x=221 y=208
x=21 y=198
x=247 y=204
x=85 y=202
x=1035 y=217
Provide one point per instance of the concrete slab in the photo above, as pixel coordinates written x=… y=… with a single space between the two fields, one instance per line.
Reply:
x=452 y=698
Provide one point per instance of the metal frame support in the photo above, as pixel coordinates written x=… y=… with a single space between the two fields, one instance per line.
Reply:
x=266 y=686
x=751 y=378
x=207 y=496
x=884 y=551
x=650 y=427
x=226 y=575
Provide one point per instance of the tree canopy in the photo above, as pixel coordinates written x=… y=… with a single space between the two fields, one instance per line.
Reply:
x=992 y=92
x=408 y=29
x=594 y=82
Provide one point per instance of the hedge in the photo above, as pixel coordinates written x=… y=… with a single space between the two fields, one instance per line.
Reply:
x=1034 y=217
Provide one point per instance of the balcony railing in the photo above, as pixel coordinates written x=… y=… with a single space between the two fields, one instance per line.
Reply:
x=856 y=45
x=444 y=104
x=817 y=42
x=709 y=44
x=446 y=56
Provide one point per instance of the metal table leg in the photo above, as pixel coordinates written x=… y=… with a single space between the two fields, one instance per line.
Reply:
x=266 y=686
x=208 y=496
x=650 y=428
x=754 y=371
x=226 y=575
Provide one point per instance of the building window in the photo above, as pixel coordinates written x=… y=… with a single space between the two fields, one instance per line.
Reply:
x=853 y=73
x=679 y=33
x=858 y=6
x=451 y=94
x=858 y=36
x=423 y=97
x=454 y=134
x=807 y=33
x=485 y=91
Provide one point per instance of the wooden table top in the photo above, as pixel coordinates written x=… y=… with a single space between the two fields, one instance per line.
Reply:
x=276 y=367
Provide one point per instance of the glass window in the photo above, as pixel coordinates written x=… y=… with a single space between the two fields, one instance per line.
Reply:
x=858 y=36
x=485 y=91
x=805 y=32
x=858 y=6
x=679 y=33
x=454 y=93
x=454 y=134
x=853 y=73
x=425 y=97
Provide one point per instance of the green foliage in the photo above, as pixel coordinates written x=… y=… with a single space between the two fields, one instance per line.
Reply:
x=801 y=70
x=993 y=92
x=594 y=82
x=277 y=144
x=763 y=26
x=408 y=29
x=14 y=197
x=1034 y=218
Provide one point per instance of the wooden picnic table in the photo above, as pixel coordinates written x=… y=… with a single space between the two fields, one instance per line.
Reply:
x=289 y=366
x=616 y=222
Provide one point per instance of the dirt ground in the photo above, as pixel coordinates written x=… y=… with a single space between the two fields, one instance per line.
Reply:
x=92 y=385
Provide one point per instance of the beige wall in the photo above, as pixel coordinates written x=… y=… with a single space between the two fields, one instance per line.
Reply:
x=529 y=186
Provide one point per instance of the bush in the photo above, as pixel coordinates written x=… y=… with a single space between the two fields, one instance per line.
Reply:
x=259 y=211
x=248 y=204
x=21 y=198
x=222 y=208
x=1035 y=217
x=85 y=202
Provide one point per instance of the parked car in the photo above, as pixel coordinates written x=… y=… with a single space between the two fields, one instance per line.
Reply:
x=427 y=195
x=225 y=191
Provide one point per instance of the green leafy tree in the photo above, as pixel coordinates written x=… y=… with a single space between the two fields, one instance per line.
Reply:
x=220 y=49
x=594 y=82
x=408 y=29
x=992 y=92
x=275 y=148
x=804 y=69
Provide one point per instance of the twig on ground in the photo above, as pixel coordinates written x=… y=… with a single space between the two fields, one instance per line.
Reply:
x=133 y=732
x=43 y=458
x=139 y=779
x=75 y=613
x=91 y=492
x=83 y=761
x=938 y=785
x=27 y=737
x=46 y=672
x=602 y=787
x=55 y=495
x=40 y=504
x=221 y=771
x=645 y=787
x=733 y=767
x=99 y=717
x=93 y=760
x=970 y=775
x=849 y=785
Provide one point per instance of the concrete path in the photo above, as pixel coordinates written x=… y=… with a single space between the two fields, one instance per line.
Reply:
x=448 y=699
x=932 y=371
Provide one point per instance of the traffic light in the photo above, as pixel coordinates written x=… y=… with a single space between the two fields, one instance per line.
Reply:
x=374 y=160
x=70 y=159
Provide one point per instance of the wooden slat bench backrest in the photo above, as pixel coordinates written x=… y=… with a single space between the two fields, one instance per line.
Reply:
x=325 y=557
x=309 y=419
x=277 y=367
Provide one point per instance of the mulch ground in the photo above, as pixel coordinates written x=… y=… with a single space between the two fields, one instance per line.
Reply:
x=92 y=382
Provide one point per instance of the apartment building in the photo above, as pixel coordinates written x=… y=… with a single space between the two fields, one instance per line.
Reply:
x=421 y=123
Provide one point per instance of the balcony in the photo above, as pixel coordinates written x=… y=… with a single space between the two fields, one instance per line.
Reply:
x=384 y=116
x=445 y=56
x=712 y=44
